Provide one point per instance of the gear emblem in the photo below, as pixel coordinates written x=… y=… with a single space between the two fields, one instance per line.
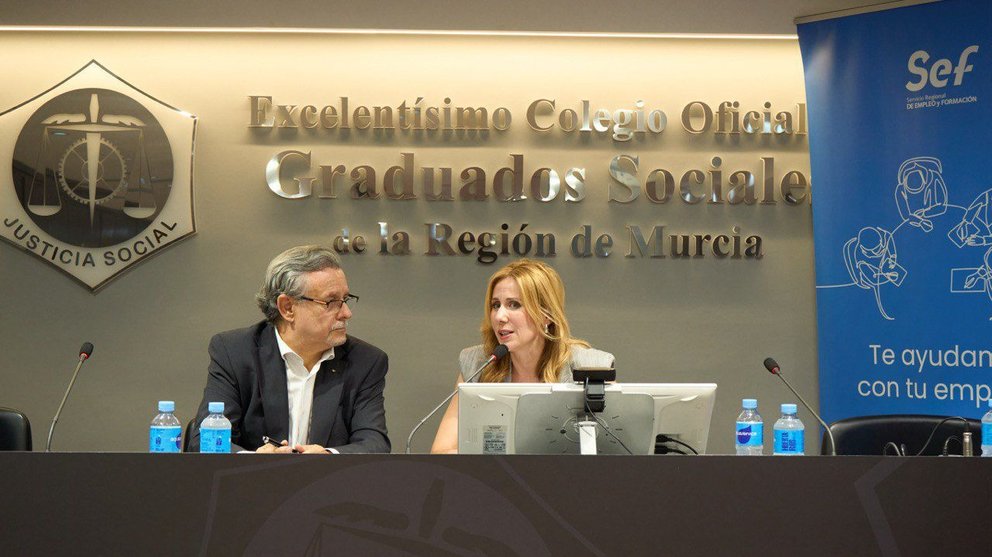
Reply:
x=93 y=177
x=100 y=176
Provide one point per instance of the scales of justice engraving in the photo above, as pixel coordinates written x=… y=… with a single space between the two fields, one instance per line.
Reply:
x=93 y=169
x=100 y=175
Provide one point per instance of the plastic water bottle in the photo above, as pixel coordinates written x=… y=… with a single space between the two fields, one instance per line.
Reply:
x=987 y=432
x=750 y=430
x=789 y=433
x=215 y=431
x=166 y=431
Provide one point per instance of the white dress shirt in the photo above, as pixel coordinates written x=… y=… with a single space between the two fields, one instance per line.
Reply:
x=299 y=385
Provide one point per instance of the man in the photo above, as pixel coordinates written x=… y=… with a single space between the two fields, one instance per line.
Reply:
x=297 y=377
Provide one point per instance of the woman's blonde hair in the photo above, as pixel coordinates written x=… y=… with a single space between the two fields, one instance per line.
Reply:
x=543 y=297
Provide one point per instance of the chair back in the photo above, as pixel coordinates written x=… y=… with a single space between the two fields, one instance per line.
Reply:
x=868 y=435
x=187 y=433
x=15 y=430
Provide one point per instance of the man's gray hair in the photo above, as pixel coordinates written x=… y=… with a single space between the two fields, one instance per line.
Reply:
x=285 y=275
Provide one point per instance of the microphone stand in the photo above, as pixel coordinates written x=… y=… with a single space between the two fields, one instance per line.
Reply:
x=51 y=431
x=498 y=353
x=833 y=446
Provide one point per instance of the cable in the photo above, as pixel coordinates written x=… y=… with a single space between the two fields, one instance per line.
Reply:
x=936 y=427
x=894 y=446
x=606 y=428
x=669 y=450
x=947 y=442
x=667 y=439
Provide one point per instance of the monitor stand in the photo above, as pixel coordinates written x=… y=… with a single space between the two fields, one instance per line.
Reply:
x=594 y=395
x=587 y=435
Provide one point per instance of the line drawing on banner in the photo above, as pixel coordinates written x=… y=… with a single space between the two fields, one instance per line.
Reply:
x=971 y=280
x=921 y=195
x=975 y=228
x=871 y=261
x=921 y=192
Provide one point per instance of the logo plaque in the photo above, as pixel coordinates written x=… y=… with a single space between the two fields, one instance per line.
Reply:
x=100 y=175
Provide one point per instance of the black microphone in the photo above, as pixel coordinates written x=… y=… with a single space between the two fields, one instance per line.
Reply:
x=772 y=366
x=498 y=352
x=84 y=354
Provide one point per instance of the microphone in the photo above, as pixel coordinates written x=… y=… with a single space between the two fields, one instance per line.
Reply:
x=498 y=352
x=772 y=366
x=84 y=354
x=967 y=447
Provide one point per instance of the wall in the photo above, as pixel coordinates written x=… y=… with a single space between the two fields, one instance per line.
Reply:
x=618 y=16
x=695 y=319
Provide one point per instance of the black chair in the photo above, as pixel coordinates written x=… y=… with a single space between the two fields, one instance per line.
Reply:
x=868 y=435
x=187 y=433
x=15 y=431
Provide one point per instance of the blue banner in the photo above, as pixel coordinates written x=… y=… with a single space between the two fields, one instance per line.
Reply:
x=900 y=128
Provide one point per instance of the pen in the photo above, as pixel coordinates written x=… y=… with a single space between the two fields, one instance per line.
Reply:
x=269 y=441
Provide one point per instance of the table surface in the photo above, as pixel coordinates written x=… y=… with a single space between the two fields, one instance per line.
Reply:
x=310 y=505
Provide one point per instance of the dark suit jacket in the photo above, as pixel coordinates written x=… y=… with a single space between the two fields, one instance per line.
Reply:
x=248 y=375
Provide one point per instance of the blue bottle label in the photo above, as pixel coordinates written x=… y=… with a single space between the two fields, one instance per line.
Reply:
x=164 y=439
x=790 y=441
x=215 y=440
x=986 y=434
x=750 y=434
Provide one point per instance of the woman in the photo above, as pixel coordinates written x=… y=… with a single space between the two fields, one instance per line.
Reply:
x=524 y=310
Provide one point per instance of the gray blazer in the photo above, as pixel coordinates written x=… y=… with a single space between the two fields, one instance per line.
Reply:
x=472 y=357
x=247 y=373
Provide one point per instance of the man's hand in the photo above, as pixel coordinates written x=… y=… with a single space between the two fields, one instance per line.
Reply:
x=310 y=449
x=269 y=448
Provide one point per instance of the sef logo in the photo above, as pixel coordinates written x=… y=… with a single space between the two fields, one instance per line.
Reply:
x=937 y=75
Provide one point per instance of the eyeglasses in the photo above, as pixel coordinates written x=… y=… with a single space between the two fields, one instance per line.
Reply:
x=333 y=305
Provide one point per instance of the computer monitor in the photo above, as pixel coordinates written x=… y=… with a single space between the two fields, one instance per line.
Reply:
x=539 y=418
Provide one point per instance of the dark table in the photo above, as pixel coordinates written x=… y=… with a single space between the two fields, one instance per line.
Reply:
x=186 y=504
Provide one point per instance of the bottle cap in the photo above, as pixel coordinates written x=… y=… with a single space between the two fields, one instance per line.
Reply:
x=788 y=408
x=750 y=403
x=218 y=407
x=166 y=406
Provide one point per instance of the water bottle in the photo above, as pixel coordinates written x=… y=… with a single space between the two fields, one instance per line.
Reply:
x=750 y=429
x=215 y=431
x=789 y=433
x=166 y=432
x=987 y=432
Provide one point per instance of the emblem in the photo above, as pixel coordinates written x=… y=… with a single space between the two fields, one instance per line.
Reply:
x=100 y=175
